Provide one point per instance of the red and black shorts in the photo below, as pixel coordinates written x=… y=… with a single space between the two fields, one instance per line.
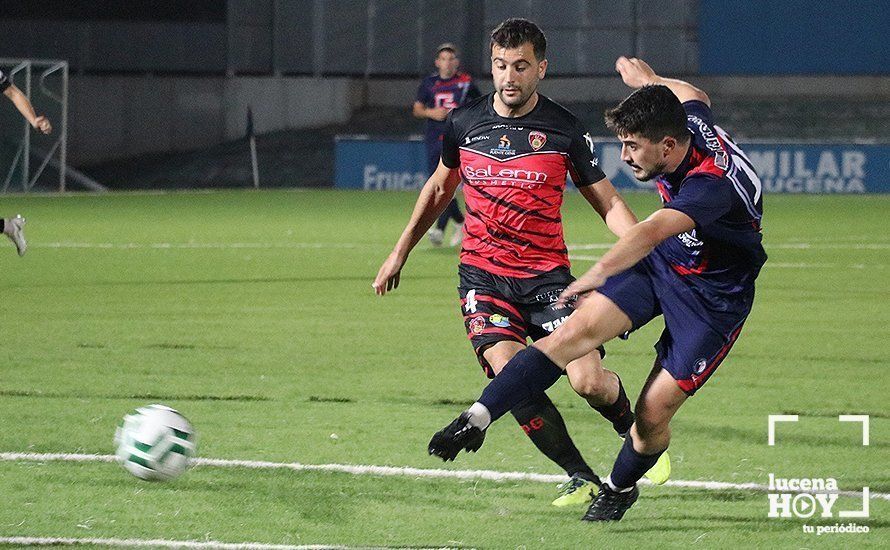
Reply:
x=497 y=308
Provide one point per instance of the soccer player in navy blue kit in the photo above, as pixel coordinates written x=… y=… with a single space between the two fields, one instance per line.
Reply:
x=437 y=95
x=14 y=227
x=694 y=261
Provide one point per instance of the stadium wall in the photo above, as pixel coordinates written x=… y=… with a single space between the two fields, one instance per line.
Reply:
x=395 y=92
x=119 y=116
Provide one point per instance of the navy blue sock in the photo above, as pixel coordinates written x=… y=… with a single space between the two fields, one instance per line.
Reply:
x=528 y=374
x=630 y=465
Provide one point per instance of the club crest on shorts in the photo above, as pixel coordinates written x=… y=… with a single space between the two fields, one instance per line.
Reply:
x=477 y=325
x=537 y=139
x=700 y=366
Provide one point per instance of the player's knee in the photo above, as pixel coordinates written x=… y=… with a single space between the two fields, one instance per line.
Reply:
x=592 y=383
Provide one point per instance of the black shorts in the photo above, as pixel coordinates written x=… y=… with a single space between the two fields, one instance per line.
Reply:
x=498 y=308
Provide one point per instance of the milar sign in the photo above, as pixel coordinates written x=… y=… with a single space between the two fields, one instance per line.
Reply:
x=399 y=164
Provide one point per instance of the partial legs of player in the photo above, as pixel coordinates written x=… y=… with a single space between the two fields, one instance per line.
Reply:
x=646 y=443
x=14 y=229
x=437 y=232
x=543 y=424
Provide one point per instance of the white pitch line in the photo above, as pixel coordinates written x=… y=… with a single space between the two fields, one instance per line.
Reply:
x=158 y=543
x=490 y=475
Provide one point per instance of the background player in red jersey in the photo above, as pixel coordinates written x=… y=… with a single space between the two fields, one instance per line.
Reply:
x=512 y=149
x=437 y=95
x=13 y=227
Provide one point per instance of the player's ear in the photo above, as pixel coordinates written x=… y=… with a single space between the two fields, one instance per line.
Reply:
x=542 y=68
x=668 y=144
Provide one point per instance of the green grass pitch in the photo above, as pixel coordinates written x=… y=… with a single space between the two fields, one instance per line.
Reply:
x=253 y=314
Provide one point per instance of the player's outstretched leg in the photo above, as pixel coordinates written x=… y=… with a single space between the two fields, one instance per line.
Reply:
x=14 y=229
x=646 y=442
x=542 y=422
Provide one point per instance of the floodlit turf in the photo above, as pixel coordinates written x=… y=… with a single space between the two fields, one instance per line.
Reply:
x=252 y=313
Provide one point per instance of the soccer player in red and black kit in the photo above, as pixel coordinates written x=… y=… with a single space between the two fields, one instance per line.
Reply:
x=693 y=262
x=512 y=150
x=13 y=227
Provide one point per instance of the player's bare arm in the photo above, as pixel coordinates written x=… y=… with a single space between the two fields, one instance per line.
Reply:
x=24 y=106
x=610 y=205
x=434 y=197
x=636 y=73
x=638 y=242
x=422 y=111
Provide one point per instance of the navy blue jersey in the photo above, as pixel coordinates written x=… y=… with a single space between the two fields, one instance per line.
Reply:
x=4 y=82
x=717 y=187
x=435 y=92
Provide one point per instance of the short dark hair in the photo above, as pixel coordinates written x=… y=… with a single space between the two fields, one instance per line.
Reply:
x=652 y=111
x=515 y=32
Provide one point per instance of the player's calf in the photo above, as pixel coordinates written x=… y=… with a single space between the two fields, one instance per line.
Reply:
x=603 y=391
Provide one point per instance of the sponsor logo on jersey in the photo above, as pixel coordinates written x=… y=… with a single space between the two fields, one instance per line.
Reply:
x=690 y=240
x=499 y=320
x=537 y=139
x=468 y=140
x=477 y=325
x=504 y=147
x=489 y=172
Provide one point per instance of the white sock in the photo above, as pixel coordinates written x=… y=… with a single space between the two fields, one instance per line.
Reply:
x=608 y=481
x=479 y=416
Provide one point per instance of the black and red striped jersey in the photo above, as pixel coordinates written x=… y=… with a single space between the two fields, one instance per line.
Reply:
x=514 y=174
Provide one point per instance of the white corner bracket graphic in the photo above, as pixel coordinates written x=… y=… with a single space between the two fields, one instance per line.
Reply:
x=857 y=513
x=857 y=418
x=771 y=425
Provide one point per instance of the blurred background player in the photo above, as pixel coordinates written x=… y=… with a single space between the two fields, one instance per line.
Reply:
x=13 y=227
x=514 y=148
x=437 y=95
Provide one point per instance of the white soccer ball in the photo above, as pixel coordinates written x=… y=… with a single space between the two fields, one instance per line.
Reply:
x=155 y=443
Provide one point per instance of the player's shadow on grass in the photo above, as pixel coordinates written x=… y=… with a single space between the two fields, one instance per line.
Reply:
x=729 y=433
x=141 y=396
x=698 y=495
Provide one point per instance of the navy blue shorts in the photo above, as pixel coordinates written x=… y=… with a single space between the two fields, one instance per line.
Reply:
x=433 y=154
x=699 y=329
